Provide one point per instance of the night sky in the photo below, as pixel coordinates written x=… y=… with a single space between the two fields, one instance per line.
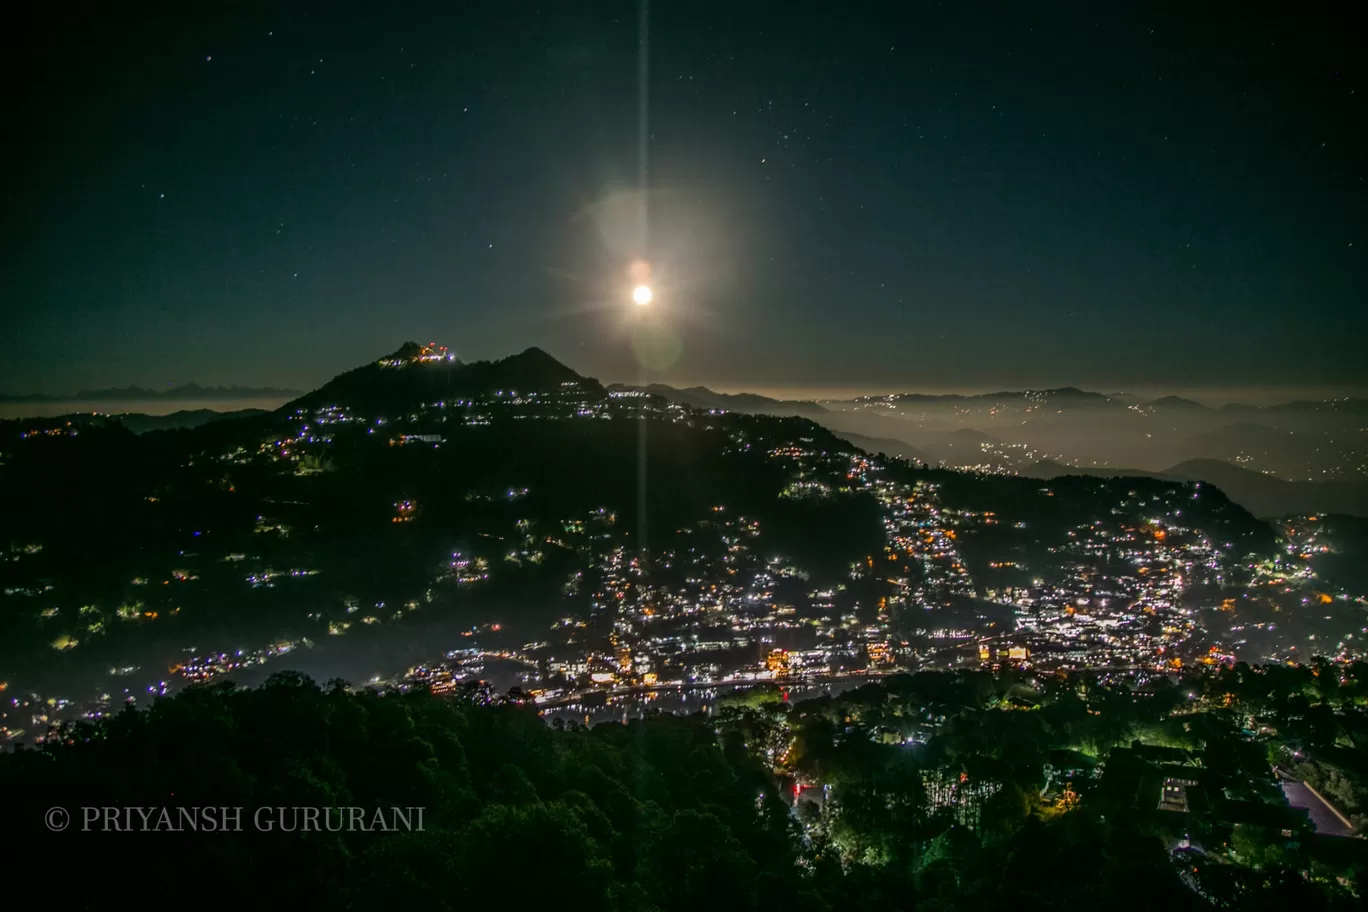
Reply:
x=923 y=197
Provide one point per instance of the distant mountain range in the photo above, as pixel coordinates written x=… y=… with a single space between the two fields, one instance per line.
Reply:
x=1264 y=457
x=139 y=423
x=1071 y=394
x=190 y=391
x=703 y=397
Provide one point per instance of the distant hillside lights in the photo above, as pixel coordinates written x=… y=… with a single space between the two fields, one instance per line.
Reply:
x=465 y=569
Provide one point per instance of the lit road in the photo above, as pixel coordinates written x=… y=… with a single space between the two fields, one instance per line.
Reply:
x=1327 y=821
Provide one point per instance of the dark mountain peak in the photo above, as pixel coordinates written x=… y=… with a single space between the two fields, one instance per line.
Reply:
x=1178 y=402
x=416 y=373
x=1047 y=468
x=530 y=369
x=535 y=358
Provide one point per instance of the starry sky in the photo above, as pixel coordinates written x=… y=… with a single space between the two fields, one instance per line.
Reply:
x=844 y=195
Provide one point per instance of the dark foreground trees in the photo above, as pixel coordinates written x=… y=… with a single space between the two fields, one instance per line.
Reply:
x=662 y=814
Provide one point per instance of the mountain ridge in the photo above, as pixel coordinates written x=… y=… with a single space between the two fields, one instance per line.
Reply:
x=413 y=374
x=738 y=401
x=707 y=399
x=1262 y=494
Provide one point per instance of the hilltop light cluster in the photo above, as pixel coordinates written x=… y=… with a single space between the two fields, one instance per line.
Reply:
x=421 y=354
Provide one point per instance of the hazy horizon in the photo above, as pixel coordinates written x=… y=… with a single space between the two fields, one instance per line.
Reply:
x=1215 y=396
x=1211 y=396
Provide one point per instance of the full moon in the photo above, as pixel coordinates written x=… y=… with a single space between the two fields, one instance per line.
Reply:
x=642 y=294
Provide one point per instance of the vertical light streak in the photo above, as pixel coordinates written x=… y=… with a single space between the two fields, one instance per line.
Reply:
x=643 y=69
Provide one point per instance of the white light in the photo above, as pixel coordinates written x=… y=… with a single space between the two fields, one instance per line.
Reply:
x=642 y=294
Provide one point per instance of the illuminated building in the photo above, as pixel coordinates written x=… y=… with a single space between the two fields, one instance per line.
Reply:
x=1173 y=796
x=778 y=662
x=879 y=654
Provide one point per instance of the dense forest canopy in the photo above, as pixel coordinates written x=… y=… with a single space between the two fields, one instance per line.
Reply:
x=675 y=813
